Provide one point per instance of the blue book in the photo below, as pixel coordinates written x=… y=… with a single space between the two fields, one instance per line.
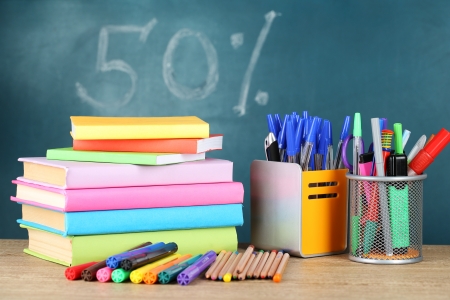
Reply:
x=132 y=220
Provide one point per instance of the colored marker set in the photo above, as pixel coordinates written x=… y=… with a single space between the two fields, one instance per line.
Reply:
x=247 y=265
x=148 y=263
x=307 y=141
x=386 y=193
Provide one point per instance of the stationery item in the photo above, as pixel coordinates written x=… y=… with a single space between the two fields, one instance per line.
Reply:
x=281 y=267
x=290 y=138
x=261 y=265
x=358 y=146
x=429 y=140
x=75 y=250
x=73 y=273
x=405 y=137
x=417 y=147
x=227 y=265
x=139 y=260
x=150 y=277
x=171 y=273
x=89 y=274
x=273 y=125
x=386 y=138
x=278 y=123
x=399 y=213
x=299 y=139
x=315 y=144
x=118 y=221
x=345 y=143
x=365 y=163
x=222 y=263
x=192 y=272
x=120 y=275
x=427 y=155
x=271 y=148
x=254 y=264
x=282 y=140
x=328 y=159
x=309 y=144
x=397 y=163
x=242 y=263
x=185 y=146
x=244 y=272
x=80 y=175
x=137 y=158
x=104 y=275
x=229 y=274
x=268 y=264
x=133 y=197
x=338 y=164
x=276 y=262
x=384 y=205
x=215 y=264
x=137 y=275
x=121 y=128
x=114 y=261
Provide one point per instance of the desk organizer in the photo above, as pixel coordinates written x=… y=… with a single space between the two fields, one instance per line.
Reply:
x=303 y=213
x=386 y=219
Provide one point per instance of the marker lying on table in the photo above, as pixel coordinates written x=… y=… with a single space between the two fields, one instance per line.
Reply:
x=137 y=275
x=171 y=273
x=143 y=259
x=192 y=272
x=150 y=277
x=114 y=261
x=73 y=273
x=427 y=155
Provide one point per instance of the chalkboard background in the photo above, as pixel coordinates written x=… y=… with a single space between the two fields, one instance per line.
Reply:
x=230 y=63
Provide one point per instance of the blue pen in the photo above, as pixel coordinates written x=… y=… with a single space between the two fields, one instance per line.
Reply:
x=320 y=157
x=315 y=148
x=309 y=144
x=294 y=120
x=305 y=114
x=290 y=137
x=298 y=139
x=278 y=122
x=338 y=164
x=282 y=140
x=328 y=165
x=272 y=124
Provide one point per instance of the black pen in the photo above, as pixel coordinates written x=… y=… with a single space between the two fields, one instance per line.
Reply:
x=271 y=148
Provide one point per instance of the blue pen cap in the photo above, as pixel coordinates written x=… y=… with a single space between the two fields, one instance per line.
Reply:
x=345 y=128
x=290 y=137
x=299 y=134
x=271 y=125
x=319 y=129
x=305 y=114
x=312 y=131
x=282 y=134
x=294 y=120
x=329 y=132
x=277 y=122
x=323 y=143
x=385 y=123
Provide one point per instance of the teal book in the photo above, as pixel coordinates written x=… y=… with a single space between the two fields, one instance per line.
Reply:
x=132 y=220
x=136 y=158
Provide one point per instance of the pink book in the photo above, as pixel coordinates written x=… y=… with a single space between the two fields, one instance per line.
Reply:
x=128 y=197
x=82 y=175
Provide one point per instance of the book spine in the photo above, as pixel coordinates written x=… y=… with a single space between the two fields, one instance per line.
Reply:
x=153 y=219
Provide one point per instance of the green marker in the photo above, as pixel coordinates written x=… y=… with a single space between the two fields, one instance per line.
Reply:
x=120 y=275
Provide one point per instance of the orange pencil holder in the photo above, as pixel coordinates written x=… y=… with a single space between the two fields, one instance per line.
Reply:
x=303 y=213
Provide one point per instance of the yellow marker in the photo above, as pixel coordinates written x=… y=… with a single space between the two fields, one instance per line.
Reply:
x=138 y=275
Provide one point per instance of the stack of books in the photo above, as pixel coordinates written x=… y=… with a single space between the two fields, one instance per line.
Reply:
x=127 y=181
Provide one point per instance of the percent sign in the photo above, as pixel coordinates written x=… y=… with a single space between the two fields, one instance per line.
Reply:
x=182 y=92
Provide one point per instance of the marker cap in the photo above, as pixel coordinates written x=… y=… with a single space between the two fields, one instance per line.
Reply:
x=357 y=131
x=398 y=139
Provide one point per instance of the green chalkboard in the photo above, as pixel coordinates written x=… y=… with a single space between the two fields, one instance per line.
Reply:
x=230 y=63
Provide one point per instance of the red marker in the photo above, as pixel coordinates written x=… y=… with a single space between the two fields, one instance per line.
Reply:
x=427 y=155
x=74 y=272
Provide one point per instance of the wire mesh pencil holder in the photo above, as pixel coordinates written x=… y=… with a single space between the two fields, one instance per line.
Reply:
x=386 y=219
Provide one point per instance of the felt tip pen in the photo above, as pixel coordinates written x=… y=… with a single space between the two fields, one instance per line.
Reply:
x=338 y=164
x=114 y=261
x=357 y=143
x=417 y=147
x=271 y=148
x=192 y=272
x=120 y=275
x=140 y=260
x=427 y=155
x=171 y=273
x=309 y=144
x=74 y=272
x=137 y=275
x=150 y=277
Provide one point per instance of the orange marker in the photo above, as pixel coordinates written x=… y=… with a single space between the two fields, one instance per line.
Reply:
x=214 y=265
x=229 y=274
x=152 y=276
x=281 y=268
x=275 y=264
x=261 y=264
x=215 y=273
x=254 y=264
x=228 y=264
x=241 y=265
x=243 y=274
x=268 y=264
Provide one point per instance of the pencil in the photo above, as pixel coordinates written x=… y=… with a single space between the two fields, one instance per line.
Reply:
x=227 y=265
x=268 y=263
x=275 y=264
x=254 y=264
x=229 y=274
x=219 y=267
x=241 y=265
x=214 y=265
x=261 y=264
x=281 y=268
x=242 y=275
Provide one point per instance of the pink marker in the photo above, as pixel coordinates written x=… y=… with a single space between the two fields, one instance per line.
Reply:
x=104 y=275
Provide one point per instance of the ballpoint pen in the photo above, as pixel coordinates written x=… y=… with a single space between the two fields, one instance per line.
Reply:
x=271 y=148
x=338 y=164
x=405 y=137
x=315 y=147
x=417 y=147
x=282 y=140
x=309 y=143
x=320 y=156
x=278 y=122
x=290 y=137
x=273 y=125
x=328 y=165
x=357 y=145
x=298 y=138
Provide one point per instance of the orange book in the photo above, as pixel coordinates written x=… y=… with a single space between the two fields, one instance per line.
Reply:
x=183 y=146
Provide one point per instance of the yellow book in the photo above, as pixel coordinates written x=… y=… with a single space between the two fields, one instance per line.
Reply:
x=128 y=128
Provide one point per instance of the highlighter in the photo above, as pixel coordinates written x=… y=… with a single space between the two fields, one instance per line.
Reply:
x=397 y=163
x=427 y=155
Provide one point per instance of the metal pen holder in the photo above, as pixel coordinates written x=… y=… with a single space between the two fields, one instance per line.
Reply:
x=386 y=219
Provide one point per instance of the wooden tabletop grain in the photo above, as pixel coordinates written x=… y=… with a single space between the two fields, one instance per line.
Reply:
x=26 y=277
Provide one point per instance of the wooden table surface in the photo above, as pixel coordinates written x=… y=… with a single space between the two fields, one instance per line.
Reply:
x=25 y=277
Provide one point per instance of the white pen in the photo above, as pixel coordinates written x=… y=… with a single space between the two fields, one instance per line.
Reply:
x=417 y=147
